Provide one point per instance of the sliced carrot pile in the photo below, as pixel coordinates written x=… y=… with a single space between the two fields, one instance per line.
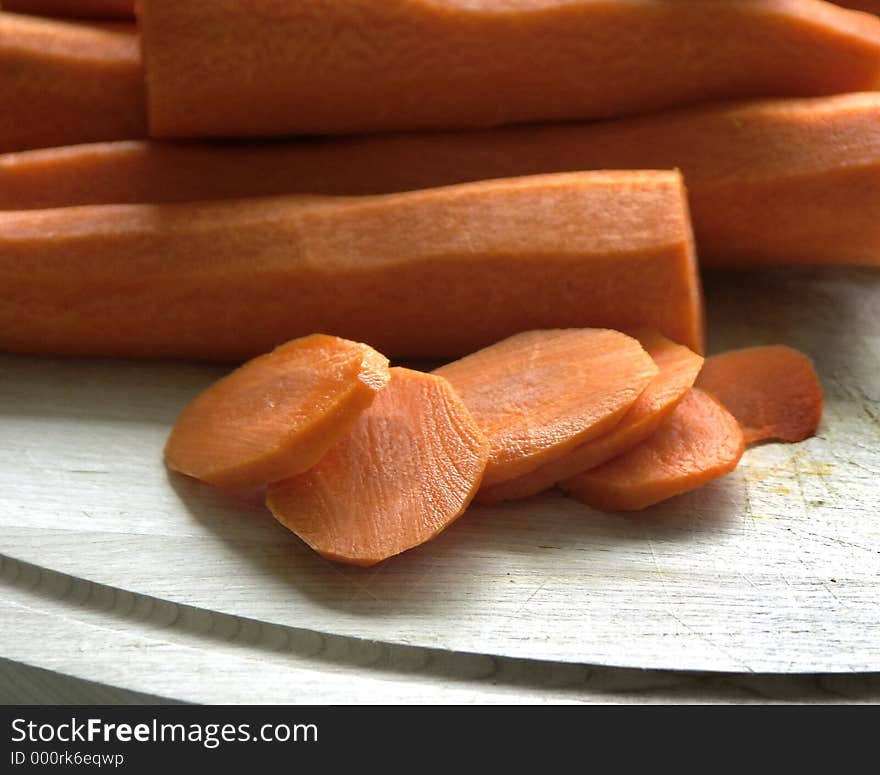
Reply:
x=278 y=414
x=409 y=468
x=772 y=390
x=678 y=366
x=539 y=394
x=699 y=442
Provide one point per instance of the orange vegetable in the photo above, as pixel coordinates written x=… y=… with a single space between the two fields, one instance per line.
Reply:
x=405 y=472
x=96 y=9
x=435 y=274
x=700 y=441
x=769 y=182
x=277 y=415
x=678 y=370
x=773 y=391
x=64 y=83
x=540 y=394
x=227 y=68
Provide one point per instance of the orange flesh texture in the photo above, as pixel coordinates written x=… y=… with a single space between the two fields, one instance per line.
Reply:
x=678 y=366
x=227 y=68
x=96 y=9
x=540 y=394
x=406 y=471
x=773 y=391
x=769 y=182
x=231 y=280
x=276 y=415
x=64 y=83
x=699 y=442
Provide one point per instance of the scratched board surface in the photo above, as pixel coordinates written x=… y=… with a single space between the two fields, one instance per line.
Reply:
x=775 y=568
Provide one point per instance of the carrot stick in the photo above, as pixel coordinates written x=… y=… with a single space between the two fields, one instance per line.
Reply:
x=95 y=9
x=405 y=472
x=226 y=68
x=540 y=394
x=278 y=414
x=700 y=441
x=769 y=182
x=773 y=391
x=64 y=83
x=435 y=274
x=678 y=370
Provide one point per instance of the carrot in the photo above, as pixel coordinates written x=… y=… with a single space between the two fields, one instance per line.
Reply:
x=540 y=394
x=678 y=370
x=700 y=441
x=96 y=9
x=278 y=414
x=65 y=83
x=773 y=391
x=769 y=182
x=405 y=472
x=227 y=68
x=435 y=274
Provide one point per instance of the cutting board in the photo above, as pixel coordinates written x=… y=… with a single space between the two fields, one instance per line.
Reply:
x=775 y=568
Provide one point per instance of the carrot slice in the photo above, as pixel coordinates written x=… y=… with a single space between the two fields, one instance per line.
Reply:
x=678 y=366
x=278 y=414
x=539 y=394
x=64 y=82
x=773 y=391
x=406 y=471
x=700 y=441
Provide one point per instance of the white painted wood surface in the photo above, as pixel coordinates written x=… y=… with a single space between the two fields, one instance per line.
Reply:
x=775 y=569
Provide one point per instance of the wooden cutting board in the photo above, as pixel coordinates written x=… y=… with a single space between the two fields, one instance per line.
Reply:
x=775 y=568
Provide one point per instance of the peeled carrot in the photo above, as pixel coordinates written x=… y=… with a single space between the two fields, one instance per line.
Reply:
x=772 y=182
x=540 y=394
x=773 y=391
x=406 y=471
x=64 y=83
x=277 y=415
x=96 y=9
x=226 y=68
x=436 y=273
x=678 y=367
x=700 y=441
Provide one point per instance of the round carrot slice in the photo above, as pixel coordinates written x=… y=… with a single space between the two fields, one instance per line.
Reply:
x=678 y=366
x=772 y=390
x=700 y=441
x=409 y=468
x=539 y=394
x=278 y=414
